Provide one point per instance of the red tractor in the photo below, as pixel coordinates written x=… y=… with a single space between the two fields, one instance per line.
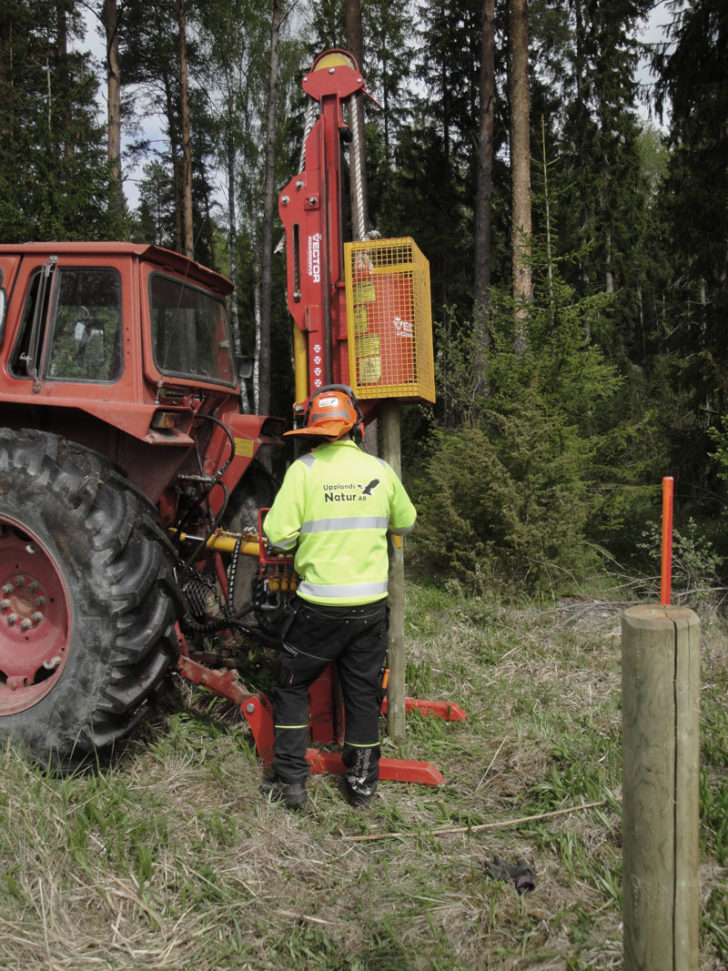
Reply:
x=123 y=455
x=130 y=480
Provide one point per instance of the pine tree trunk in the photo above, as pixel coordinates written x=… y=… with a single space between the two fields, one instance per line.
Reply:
x=263 y=403
x=484 y=179
x=210 y=235
x=189 y=240
x=110 y=19
x=177 y=188
x=258 y=344
x=520 y=167
x=64 y=80
x=483 y=209
x=233 y=239
x=547 y=220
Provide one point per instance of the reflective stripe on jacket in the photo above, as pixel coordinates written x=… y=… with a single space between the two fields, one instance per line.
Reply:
x=335 y=507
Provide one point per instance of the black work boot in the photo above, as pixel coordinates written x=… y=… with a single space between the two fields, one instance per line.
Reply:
x=293 y=794
x=359 y=798
x=362 y=773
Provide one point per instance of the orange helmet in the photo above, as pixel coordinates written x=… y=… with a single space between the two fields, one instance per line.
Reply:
x=332 y=411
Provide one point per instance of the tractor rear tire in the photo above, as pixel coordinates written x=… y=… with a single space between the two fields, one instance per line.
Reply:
x=88 y=601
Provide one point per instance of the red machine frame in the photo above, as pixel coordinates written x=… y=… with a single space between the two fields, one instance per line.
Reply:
x=325 y=709
x=310 y=208
x=311 y=211
x=323 y=712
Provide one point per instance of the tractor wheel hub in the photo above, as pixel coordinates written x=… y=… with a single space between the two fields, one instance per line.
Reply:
x=22 y=603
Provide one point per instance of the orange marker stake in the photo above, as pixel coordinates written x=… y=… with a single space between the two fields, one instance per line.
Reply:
x=666 y=574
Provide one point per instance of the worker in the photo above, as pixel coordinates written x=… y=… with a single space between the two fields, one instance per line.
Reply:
x=335 y=507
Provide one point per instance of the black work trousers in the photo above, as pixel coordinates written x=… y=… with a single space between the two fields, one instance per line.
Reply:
x=355 y=637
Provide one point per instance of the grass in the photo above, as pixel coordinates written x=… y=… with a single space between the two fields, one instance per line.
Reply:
x=172 y=859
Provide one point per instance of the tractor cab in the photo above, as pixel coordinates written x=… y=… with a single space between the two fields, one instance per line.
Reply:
x=126 y=349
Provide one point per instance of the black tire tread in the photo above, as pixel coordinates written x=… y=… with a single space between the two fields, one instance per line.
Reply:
x=129 y=580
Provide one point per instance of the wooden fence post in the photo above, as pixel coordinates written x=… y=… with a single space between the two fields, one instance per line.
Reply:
x=660 y=775
x=389 y=428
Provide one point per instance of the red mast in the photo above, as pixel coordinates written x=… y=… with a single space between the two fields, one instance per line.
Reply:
x=310 y=208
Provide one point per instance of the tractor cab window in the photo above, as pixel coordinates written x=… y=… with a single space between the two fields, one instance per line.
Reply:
x=190 y=331
x=86 y=337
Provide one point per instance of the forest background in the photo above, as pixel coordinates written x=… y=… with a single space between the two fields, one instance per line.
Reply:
x=574 y=209
x=574 y=212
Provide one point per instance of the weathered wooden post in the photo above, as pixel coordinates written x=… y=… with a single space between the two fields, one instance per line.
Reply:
x=660 y=722
x=390 y=353
x=389 y=429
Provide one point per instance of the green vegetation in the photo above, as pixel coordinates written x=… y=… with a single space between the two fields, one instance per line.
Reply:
x=511 y=489
x=172 y=859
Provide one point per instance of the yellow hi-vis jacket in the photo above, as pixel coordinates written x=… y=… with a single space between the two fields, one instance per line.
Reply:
x=335 y=508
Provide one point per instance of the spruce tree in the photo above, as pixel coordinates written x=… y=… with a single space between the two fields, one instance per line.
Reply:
x=602 y=217
x=54 y=176
x=508 y=499
x=693 y=304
